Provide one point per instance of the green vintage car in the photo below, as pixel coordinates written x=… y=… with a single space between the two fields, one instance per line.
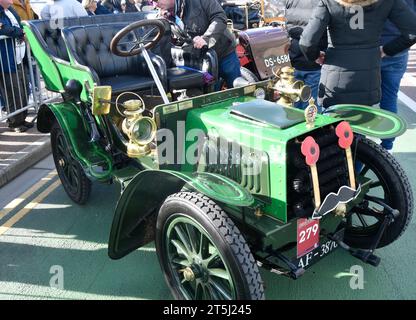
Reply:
x=223 y=182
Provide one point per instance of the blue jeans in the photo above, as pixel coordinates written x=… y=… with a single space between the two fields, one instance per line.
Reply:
x=392 y=71
x=310 y=78
x=229 y=68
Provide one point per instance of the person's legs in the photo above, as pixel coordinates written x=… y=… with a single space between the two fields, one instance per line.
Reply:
x=16 y=98
x=310 y=78
x=229 y=69
x=392 y=71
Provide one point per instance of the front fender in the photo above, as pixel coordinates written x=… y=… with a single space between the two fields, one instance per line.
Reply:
x=134 y=220
x=96 y=163
x=369 y=121
x=45 y=119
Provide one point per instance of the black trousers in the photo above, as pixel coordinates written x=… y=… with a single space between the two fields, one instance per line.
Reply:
x=14 y=94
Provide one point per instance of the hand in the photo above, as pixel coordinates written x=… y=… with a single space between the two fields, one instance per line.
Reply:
x=165 y=13
x=382 y=53
x=199 y=42
x=321 y=59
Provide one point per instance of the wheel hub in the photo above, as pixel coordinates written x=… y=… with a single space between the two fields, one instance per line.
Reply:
x=61 y=162
x=188 y=274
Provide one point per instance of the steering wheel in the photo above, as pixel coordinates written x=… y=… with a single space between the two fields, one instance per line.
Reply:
x=136 y=36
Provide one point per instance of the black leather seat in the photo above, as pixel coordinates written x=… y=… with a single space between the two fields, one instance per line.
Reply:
x=89 y=46
x=179 y=78
x=185 y=61
x=121 y=78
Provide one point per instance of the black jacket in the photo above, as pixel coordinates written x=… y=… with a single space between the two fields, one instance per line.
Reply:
x=351 y=73
x=390 y=31
x=298 y=13
x=207 y=18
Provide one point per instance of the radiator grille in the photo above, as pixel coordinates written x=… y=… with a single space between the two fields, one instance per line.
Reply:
x=246 y=166
x=332 y=171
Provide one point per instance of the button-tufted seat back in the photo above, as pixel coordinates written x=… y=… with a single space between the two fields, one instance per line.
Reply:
x=90 y=46
x=50 y=32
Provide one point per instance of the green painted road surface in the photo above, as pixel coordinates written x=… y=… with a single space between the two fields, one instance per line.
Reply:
x=55 y=233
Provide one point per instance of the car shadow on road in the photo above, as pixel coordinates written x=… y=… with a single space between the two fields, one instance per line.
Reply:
x=59 y=235
x=75 y=238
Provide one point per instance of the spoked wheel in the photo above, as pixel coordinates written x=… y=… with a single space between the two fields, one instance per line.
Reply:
x=73 y=178
x=131 y=40
x=202 y=253
x=249 y=75
x=246 y=74
x=390 y=185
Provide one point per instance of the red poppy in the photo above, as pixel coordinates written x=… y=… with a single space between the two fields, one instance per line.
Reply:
x=345 y=135
x=310 y=149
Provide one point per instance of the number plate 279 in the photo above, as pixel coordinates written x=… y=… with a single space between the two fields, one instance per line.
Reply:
x=307 y=236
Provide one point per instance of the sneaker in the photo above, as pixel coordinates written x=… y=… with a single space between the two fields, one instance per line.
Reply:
x=18 y=129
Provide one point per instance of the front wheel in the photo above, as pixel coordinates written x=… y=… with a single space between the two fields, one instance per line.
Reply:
x=389 y=183
x=70 y=172
x=202 y=253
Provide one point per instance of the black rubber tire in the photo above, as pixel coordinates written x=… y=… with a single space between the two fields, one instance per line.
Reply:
x=248 y=75
x=81 y=193
x=386 y=167
x=227 y=238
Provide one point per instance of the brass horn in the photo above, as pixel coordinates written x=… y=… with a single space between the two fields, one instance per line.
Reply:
x=290 y=89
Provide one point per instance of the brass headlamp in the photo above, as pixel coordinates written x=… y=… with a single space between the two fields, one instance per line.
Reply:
x=290 y=89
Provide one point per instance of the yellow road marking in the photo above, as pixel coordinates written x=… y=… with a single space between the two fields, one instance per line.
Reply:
x=23 y=212
x=14 y=203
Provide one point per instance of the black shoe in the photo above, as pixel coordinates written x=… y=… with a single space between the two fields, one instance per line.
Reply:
x=28 y=124
x=18 y=129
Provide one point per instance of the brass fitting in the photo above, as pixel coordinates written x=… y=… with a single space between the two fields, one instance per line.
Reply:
x=140 y=130
x=310 y=114
x=341 y=210
x=290 y=89
x=258 y=212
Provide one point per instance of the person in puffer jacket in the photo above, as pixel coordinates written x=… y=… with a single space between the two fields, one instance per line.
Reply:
x=298 y=13
x=351 y=71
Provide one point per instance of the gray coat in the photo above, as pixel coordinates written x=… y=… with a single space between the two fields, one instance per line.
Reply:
x=351 y=73
x=207 y=18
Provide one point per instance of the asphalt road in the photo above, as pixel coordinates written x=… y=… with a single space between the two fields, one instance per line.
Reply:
x=43 y=235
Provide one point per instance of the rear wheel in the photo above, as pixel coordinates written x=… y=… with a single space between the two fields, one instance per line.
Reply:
x=73 y=178
x=390 y=184
x=202 y=253
x=248 y=75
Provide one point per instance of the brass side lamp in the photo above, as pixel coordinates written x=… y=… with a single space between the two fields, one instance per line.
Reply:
x=139 y=129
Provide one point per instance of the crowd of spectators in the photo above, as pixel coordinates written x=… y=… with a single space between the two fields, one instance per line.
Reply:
x=14 y=80
x=78 y=8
